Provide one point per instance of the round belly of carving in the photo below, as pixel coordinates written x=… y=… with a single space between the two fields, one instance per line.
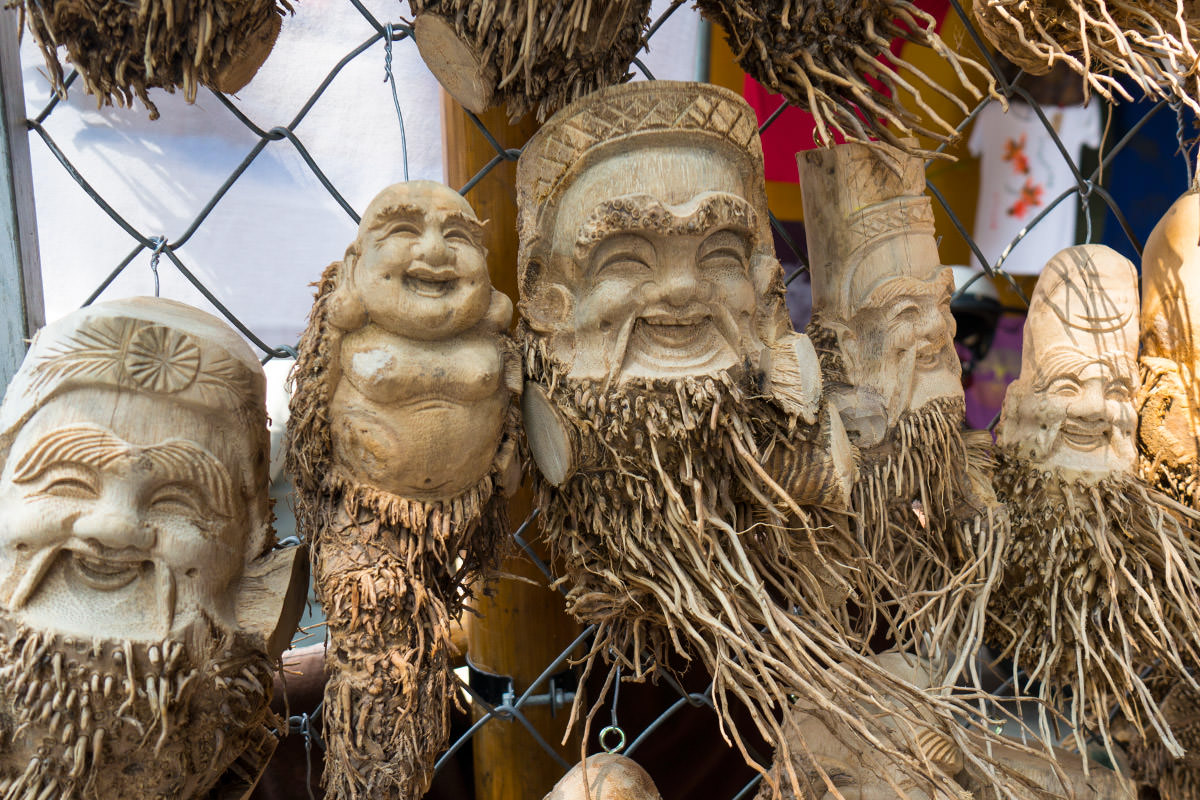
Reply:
x=428 y=449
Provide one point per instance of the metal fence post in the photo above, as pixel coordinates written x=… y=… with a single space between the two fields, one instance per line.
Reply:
x=21 y=307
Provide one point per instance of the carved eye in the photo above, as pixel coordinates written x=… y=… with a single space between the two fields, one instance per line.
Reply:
x=1063 y=387
x=624 y=262
x=177 y=498
x=402 y=227
x=459 y=236
x=1118 y=391
x=929 y=357
x=72 y=482
x=724 y=250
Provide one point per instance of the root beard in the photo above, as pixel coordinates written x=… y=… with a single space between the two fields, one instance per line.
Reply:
x=1101 y=583
x=657 y=540
x=120 y=720
x=938 y=564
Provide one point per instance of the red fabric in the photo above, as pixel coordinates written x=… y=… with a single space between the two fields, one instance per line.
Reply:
x=793 y=131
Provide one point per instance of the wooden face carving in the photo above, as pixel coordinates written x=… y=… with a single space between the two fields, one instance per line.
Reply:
x=878 y=283
x=1169 y=403
x=135 y=545
x=647 y=257
x=122 y=528
x=1072 y=407
x=422 y=388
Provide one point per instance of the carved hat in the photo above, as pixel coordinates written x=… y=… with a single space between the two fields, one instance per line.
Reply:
x=1171 y=282
x=872 y=196
x=157 y=347
x=1086 y=298
x=623 y=118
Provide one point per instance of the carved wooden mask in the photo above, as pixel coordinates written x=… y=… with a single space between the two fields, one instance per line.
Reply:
x=136 y=543
x=878 y=284
x=1169 y=405
x=1072 y=407
x=645 y=241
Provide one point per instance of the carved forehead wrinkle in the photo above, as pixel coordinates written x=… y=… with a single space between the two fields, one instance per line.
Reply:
x=673 y=175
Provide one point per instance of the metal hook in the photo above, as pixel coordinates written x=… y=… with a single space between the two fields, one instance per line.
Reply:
x=160 y=242
x=390 y=78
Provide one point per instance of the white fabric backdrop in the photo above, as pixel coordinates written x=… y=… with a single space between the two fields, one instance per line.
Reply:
x=277 y=228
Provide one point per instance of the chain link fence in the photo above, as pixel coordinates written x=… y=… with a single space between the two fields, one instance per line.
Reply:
x=684 y=705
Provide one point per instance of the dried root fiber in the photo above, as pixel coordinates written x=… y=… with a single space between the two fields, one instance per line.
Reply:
x=660 y=547
x=834 y=59
x=123 y=49
x=392 y=574
x=1152 y=42
x=530 y=54
x=1100 y=583
x=1149 y=761
x=86 y=719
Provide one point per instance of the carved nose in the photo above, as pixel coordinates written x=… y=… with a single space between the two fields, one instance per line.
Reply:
x=1090 y=405
x=432 y=248
x=114 y=527
x=682 y=286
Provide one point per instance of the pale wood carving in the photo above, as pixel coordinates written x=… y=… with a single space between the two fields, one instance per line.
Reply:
x=142 y=599
x=606 y=776
x=1151 y=43
x=122 y=50
x=690 y=472
x=883 y=328
x=1168 y=440
x=529 y=54
x=1099 y=579
x=402 y=445
x=835 y=58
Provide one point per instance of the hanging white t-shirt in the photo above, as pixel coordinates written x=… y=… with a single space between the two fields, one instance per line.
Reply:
x=1022 y=171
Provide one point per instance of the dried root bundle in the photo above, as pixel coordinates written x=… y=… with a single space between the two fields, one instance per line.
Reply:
x=1152 y=42
x=393 y=574
x=1100 y=583
x=531 y=54
x=123 y=49
x=663 y=548
x=834 y=59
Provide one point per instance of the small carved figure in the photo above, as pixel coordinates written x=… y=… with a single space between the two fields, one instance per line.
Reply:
x=122 y=49
x=836 y=59
x=532 y=55
x=1100 y=581
x=691 y=478
x=143 y=600
x=1151 y=43
x=883 y=328
x=402 y=444
x=606 y=776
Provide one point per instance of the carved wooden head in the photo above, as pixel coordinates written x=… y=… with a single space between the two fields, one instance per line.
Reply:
x=1072 y=408
x=418 y=267
x=133 y=493
x=1169 y=409
x=645 y=241
x=878 y=283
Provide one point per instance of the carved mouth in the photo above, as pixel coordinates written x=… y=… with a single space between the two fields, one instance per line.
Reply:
x=675 y=331
x=430 y=281
x=1084 y=437
x=105 y=574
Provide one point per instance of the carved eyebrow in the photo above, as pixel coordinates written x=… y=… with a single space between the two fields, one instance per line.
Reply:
x=645 y=214
x=892 y=291
x=1059 y=361
x=395 y=211
x=181 y=461
x=474 y=227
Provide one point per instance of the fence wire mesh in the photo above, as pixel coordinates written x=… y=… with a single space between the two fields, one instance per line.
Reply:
x=1088 y=191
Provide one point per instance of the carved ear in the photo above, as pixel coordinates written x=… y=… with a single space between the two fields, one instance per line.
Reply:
x=344 y=309
x=272 y=595
x=500 y=311
x=548 y=310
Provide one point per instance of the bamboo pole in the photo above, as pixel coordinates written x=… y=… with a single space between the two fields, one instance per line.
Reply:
x=521 y=628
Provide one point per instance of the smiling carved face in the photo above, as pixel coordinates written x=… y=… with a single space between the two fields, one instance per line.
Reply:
x=421 y=271
x=119 y=530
